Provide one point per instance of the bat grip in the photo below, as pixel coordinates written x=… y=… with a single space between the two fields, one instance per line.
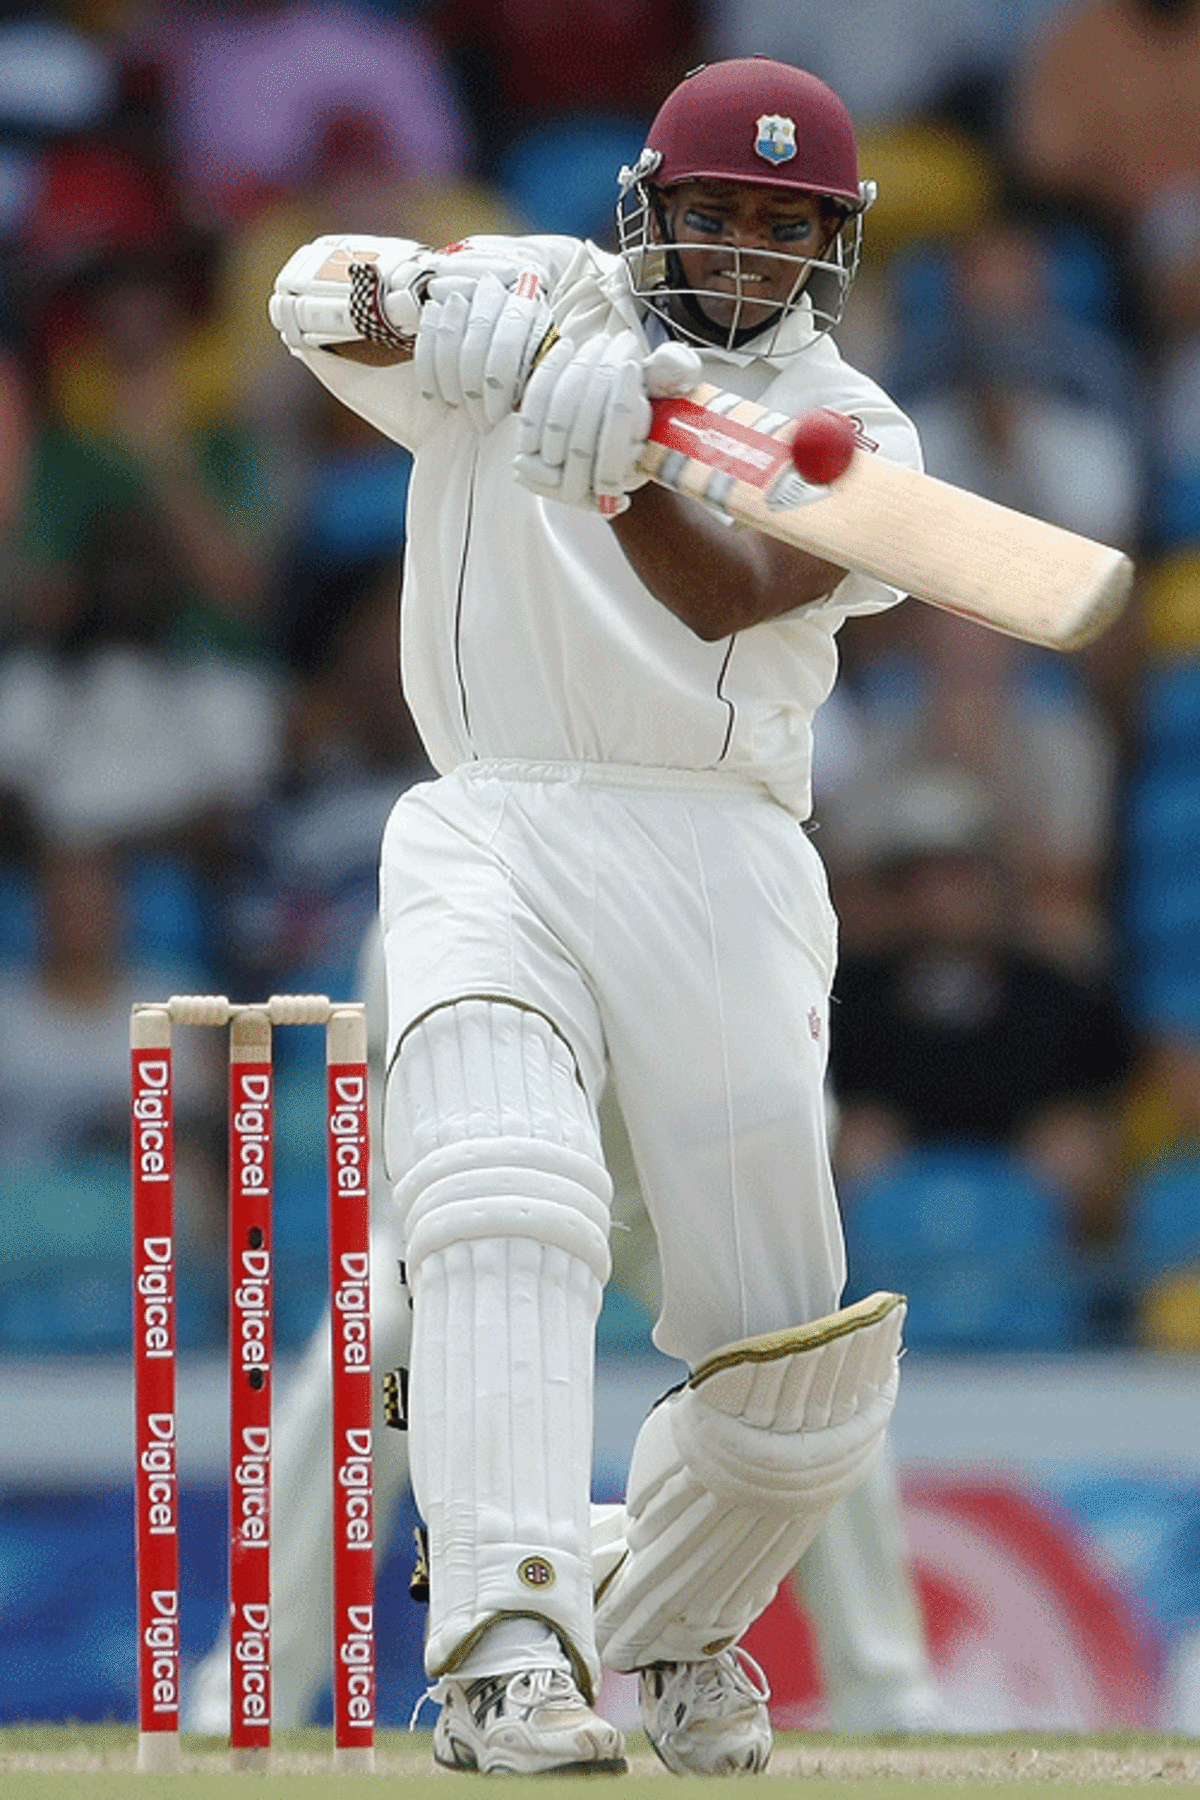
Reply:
x=544 y=348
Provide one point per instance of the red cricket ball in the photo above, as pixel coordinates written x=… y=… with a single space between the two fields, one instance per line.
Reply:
x=823 y=446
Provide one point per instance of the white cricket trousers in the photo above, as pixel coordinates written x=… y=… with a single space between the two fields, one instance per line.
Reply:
x=676 y=930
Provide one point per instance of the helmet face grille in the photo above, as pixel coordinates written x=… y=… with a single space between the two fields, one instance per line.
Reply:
x=818 y=291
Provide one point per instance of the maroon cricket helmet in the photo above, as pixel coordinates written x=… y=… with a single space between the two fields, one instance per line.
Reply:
x=754 y=120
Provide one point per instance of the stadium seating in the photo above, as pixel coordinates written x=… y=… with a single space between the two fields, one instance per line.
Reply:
x=976 y=1243
x=1160 y=899
x=562 y=176
x=1162 y=1212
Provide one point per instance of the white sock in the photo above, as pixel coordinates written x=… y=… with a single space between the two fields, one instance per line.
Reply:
x=511 y=1645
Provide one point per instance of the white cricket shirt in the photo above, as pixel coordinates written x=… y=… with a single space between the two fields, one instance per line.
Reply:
x=524 y=631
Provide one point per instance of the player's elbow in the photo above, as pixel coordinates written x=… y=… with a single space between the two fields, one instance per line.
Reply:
x=711 y=631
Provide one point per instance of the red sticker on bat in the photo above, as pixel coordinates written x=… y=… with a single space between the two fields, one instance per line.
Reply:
x=720 y=443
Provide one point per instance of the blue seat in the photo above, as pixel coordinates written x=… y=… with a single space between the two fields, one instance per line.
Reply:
x=301 y=1296
x=1162 y=902
x=1170 y=707
x=1164 y=810
x=82 y=1307
x=562 y=176
x=300 y=1107
x=983 y=1303
x=55 y=1211
x=301 y=1213
x=1165 y=987
x=18 y=916
x=1085 y=279
x=1173 y=507
x=356 y=506
x=85 y=1307
x=169 y=914
x=1163 y=1216
x=975 y=1241
x=66 y=1271
x=951 y=1201
x=624 y=1324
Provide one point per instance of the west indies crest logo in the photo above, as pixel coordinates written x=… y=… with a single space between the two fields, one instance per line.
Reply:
x=775 y=141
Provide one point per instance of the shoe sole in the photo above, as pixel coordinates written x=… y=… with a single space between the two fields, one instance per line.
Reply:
x=612 y=1765
x=751 y=1768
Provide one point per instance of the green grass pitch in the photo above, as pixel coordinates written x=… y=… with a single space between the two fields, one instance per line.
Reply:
x=65 y=1762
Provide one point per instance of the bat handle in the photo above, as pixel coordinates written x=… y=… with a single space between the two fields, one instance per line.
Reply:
x=547 y=344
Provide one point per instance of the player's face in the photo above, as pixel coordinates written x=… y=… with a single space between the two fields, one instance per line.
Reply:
x=743 y=248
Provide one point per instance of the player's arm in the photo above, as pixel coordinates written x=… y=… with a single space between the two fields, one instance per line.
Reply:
x=717 y=578
x=584 y=420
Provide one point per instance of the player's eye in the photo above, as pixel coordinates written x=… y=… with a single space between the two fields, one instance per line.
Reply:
x=792 y=231
x=710 y=223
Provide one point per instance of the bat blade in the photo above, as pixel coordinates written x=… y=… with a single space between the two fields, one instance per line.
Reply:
x=939 y=543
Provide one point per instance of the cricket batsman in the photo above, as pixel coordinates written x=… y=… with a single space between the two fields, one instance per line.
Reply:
x=609 y=882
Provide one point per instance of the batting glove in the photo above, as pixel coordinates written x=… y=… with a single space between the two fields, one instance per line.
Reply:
x=342 y=288
x=478 y=339
x=586 y=417
x=315 y=302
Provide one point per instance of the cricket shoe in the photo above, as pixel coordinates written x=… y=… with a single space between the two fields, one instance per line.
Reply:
x=535 y=1722
x=708 y=1717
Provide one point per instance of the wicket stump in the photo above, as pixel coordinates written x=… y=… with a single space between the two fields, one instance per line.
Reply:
x=251 y=1138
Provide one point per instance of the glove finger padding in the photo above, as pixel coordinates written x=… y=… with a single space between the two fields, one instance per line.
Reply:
x=484 y=311
x=623 y=433
x=572 y=422
x=476 y=344
x=583 y=423
x=581 y=427
x=308 y=321
x=523 y=328
x=671 y=370
x=435 y=356
x=535 y=405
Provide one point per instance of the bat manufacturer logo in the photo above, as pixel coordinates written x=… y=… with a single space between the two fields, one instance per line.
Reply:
x=861 y=438
x=776 y=139
x=725 y=445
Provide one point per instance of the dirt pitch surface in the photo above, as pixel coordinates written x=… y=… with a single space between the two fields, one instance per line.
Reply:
x=98 y=1763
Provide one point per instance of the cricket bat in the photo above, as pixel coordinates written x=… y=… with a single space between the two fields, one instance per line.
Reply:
x=939 y=543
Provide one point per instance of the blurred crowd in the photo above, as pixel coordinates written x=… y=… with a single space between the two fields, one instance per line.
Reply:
x=201 y=730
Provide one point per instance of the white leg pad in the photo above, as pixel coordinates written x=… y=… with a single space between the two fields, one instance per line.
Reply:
x=507 y=1256
x=734 y=1474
